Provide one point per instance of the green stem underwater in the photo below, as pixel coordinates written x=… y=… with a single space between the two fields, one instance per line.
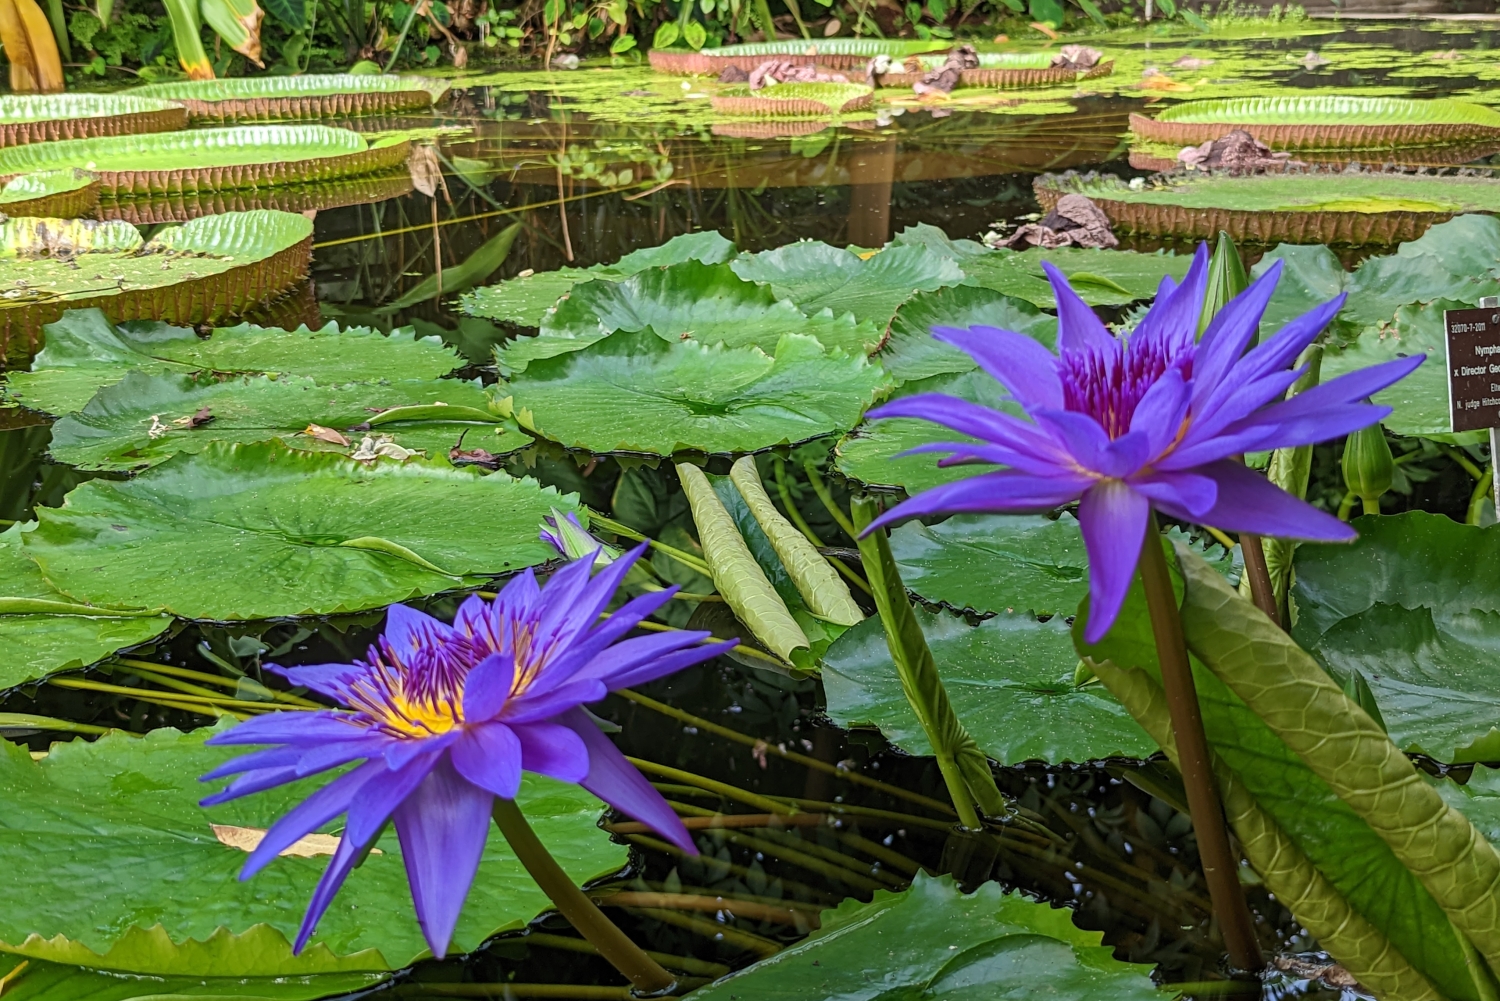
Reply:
x=1220 y=864
x=583 y=914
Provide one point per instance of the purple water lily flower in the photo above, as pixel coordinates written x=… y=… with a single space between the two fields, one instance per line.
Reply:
x=1125 y=424
x=445 y=718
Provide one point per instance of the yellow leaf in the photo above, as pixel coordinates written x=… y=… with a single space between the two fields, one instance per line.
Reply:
x=247 y=839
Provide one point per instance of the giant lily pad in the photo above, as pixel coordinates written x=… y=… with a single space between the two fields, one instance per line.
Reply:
x=794 y=100
x=634 y=392
x=144 y=419
x=844 y=53
x=85 y=353
x=527 y=300
x=1010 y=680
x=201 y=271
x=913 y=353
x=55 y=194
x=931 y=941
x=176 y=908
x=200 y=160
x=1290 y=207
x=1005 y=70
x=266 y=98
x=40 y=980
x=817 y=276
x=708 y=303
x=1414 y=606
x=872 y=452
x=1322 y=121
x=43 y=631
x=259 y=531
x=181 y=206
x=38 y=118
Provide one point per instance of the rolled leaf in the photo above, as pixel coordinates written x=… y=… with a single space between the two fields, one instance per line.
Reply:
x=1313 y=900
x=825 y=593
x=1347 y=749
x=35 y=66
x=741 y=581
x=1226 y=279
x=237 y=22
x=186 y=30
x=964 y=765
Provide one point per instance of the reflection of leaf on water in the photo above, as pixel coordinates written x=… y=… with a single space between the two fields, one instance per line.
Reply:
x=461 y=277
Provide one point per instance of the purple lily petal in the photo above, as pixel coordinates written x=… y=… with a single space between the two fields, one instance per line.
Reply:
x=1248 y=502
x=1113 y=519
x=1231 y=330
x=408 y=630
x=1004 y=492
x=1092 y=448
x=1172 y=320
x=1162 y=410
x=1078 y=329
x=489 y=755
x=618 y=783
x=1189 y=492
x=1019 y=363
x=344 y=858
x=373 y=802
x=553 y=750
x=287 y=728
x=309 y=815
x=443 y=826
x=488 y=687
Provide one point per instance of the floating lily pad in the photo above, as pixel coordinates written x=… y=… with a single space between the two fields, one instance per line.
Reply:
x=1100 y=277
x=42 y=631
x=817 y=276
x=1322 y=121
x=202 y=271
x=38 y=118
x=1010 y=680
x=260 y=531
x=1289 y=207
x=913 y=353
x=793 y=100
x=1414 y=606
x=181 y=206
x=842 y=53
x=634 y=392
x=527 y=300
x=267 y=98
x=1419 y=402
x=872 y=452
x=995 y=563
x=1004 y=70
x=54 y=194
x=707 y=303
x=144 y=419
x=202 y=160
x=931 y=941
x=85 y=353
x=44 y=981
x=177 y=907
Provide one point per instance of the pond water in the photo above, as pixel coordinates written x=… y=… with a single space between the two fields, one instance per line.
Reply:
x=539 y=150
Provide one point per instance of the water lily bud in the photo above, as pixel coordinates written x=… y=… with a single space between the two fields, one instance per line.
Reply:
x=1226 y=279
x=1368 y=466
x=570 y=539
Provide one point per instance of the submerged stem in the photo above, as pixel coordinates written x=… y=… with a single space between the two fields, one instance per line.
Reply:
x=582 y=913
x=1220 y=865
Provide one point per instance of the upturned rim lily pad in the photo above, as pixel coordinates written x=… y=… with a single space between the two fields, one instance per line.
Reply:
x=1322 y=121
x=202 y=271
x=204 y=160
x=839 y=53
x=38 y=118
x=794 y=100
x=1358 y=209
x=1004 y=70
x=54 y=194
x=271 y=98
x=184 y=205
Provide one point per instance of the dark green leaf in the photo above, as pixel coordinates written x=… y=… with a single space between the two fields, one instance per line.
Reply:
x=817 y=276
x=913 y=353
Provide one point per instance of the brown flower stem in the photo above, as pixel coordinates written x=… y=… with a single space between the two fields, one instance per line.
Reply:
x=1261 y=591
x=583 y=914
x=1220 y=864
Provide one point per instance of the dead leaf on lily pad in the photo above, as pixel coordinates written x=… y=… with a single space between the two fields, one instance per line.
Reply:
x=381 y=446
x=321 y=433
x=247 y=839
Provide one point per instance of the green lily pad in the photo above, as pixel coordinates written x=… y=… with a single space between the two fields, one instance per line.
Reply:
x=995 y=563
x=1324 y=121
x=260 y=531
x=1010 y=680
x=1478 y=799
x=1419 y=401
x=817 y=276
x=145 y=419
x=1457 y=260
x=85 y=353
x=913 y=353
x=1311 y=275
x=302 y=96
x=38 y=118
x=526 y=301
x=216 y=266
x=44 y=981
x=1330 y=192
x=793 y=99
x=43 y=631
x=162 y=897
x=634 y=392
x=1100 y=277
x=708 y=303
x=1414 y=606
x=931 y=941
x=872 y=452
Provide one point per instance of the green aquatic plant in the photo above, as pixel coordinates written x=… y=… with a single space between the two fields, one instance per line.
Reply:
x=32 y=118
x=793 y=100
x=56 y=194
x=1323 y=122
x=267 y=98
